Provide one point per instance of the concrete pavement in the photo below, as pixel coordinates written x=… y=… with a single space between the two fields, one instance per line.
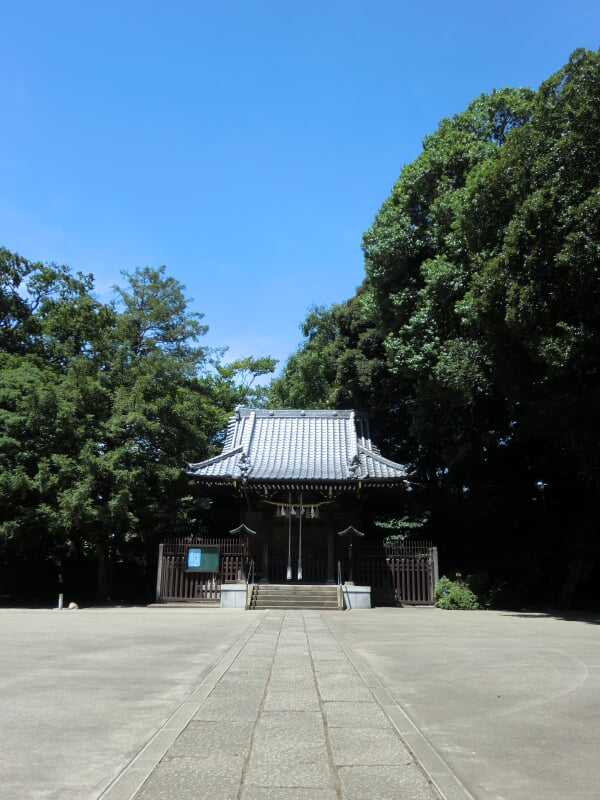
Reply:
x=187 y=702
x=82 y=692
x=286 y=716
x=509 y=701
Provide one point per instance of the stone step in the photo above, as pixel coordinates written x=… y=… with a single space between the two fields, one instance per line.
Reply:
x=292 y=593
x=290 y=596
x=296 y=587
x=289 y=599
x=300 y=606
x=293 y=607
x=297 y=592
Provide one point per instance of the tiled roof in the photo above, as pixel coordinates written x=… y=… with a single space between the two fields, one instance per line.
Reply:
x=264 y=446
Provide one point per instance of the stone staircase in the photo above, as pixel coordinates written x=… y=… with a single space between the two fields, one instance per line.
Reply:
x=298 y=596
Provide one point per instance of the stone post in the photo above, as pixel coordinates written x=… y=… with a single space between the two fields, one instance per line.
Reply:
x=159 y=571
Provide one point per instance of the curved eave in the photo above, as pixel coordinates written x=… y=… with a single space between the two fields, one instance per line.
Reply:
x=353 y=485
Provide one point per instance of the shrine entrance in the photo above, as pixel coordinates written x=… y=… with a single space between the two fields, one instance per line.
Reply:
x=297 y=540
x=298 y=552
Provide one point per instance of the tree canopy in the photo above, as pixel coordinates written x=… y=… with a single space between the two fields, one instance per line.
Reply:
x=101 y=404
x=474 y=338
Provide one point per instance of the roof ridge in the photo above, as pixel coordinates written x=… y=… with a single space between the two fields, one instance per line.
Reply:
x=379 y=457
x=344 y=413
x=249 y=434
x=352 y=451
x=216 y=459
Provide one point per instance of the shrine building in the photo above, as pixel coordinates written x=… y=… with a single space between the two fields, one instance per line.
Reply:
x=295 y=490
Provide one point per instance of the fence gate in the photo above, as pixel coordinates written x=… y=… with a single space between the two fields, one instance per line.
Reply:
x=404 y=572
x=175 y=582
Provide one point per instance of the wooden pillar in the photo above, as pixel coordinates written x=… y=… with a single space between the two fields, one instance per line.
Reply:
x=266 y=536
x=331 y=577
x=350 y=565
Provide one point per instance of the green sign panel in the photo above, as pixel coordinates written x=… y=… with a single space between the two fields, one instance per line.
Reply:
x=202 y=558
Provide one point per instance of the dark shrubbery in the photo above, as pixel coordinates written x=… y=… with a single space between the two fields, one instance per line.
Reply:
x=454 y=594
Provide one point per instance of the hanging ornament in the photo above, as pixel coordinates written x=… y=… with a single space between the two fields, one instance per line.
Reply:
x=312 y=512
x=283 y=511
x=293 y=511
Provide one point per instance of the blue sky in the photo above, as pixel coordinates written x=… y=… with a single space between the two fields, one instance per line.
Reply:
x=245 y=145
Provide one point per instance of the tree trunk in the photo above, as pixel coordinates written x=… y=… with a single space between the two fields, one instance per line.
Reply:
x=102 y=577
x=570 y=585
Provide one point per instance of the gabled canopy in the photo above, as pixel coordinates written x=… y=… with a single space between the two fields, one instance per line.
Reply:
x=284 y=447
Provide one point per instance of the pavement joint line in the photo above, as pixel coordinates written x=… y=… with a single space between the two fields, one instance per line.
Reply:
x=420 y=747
x=260 y=710
x=209 y=676
x=332 y=766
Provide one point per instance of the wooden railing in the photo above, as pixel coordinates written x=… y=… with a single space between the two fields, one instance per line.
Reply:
x=175 y=584
x=401 y=573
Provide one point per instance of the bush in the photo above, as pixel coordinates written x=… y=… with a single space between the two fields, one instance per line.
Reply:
x=454 y=594
x=491 y=593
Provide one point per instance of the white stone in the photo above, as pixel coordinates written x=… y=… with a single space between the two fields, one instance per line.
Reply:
x=356 y=596
x=233 y=595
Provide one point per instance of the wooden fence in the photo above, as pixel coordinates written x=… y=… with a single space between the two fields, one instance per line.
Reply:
x=397 y=573
x=175 y=584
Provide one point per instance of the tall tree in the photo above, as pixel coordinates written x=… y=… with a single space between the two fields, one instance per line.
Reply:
x=100 y=407
x=482 y=305
x=49 y=323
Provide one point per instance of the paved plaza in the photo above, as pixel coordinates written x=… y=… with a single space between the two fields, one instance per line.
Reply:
x=411 y=704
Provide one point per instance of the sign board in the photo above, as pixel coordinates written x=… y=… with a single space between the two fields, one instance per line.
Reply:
x=202 y=558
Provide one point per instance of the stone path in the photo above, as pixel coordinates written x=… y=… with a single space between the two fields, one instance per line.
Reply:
x=289 y=718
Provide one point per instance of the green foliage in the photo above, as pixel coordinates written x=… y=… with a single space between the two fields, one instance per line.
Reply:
x=454 y=595
x=308 y=377
x=474 y=341
x=342 y=363
x=100 y=407
x=402 y=528
x=238 y=380
x=477 y=327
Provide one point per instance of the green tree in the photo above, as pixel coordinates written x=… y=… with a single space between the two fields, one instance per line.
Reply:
x=342 y=363
x=239 y=380
x=123 y=494
x=308 y=376
x=50 y=322
x=476 y=330
x=420 y=269
x=100 y=407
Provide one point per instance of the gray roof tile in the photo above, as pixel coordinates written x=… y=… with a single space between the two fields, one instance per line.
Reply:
x=263 y=445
